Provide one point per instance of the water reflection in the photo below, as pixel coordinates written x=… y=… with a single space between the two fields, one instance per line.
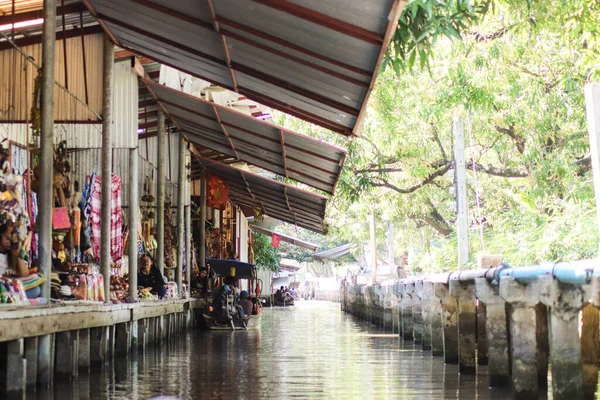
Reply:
x=311 y=351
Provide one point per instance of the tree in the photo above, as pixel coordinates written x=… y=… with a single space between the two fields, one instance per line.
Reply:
x=516 y=75
x=265 y=256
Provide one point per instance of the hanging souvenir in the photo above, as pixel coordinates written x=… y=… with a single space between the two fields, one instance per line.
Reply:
x=218 y=190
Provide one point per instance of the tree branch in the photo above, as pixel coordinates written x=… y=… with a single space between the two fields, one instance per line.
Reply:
x=436 y=137
x=504 y=172
x=510 y=132
x=435 y=174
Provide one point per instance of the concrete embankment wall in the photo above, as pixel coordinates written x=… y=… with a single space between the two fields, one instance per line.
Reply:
x=44 y=344
x=522 y=326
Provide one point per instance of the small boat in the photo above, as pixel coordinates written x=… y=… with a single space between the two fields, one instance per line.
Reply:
x=248 y=323
x=238 y=270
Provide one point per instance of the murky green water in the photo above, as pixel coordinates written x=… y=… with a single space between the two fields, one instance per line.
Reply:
x=310 y=351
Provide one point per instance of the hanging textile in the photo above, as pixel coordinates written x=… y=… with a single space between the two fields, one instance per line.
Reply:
x=275 y=240
x=218 y=190
x=116 y=218
x=95 y=201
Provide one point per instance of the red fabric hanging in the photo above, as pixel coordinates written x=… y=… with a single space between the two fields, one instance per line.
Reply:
x=218 y=190
x=275 y=239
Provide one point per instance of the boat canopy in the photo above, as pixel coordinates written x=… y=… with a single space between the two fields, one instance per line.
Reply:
x=239 y=269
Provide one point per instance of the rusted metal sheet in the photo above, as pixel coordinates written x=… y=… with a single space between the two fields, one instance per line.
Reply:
x=278 y=200
x=317 y=60
x=252 y=141
x=17 y=81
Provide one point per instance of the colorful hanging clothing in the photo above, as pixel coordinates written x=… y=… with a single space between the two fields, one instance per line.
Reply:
x=95 y=201
x=116 y=218
x=218 y=190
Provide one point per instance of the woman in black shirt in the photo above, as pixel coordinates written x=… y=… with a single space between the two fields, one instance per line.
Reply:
x=150 y=277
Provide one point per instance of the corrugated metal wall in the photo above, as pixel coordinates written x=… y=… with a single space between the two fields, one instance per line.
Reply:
x=17 y=80
x=125 y=110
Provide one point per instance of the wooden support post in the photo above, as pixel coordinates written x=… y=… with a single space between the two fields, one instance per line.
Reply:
x=46 y=165
x=112 y=336
x=407 y=310
x=373 y=247
x=462 y=215
x=123 y=338
x=15 y=368
x=31 y=355
x=84 y=349
x=151 y=330
x=592 y=102
x=99 y=340
x=482 y=342
x=523 y=335
x=67 y=353
x=449 y=322
x=133 y=221
x=464 y=293
x=202 y=239
x=496 y=331
x=160 y=190
x=142 y=334
x=45 y=363
x=590 y=349
x=107 y=133
x=418 y=313
x=135 y=335
x=181 y=182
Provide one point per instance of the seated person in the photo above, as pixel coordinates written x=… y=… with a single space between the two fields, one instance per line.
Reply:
x=14 y=265
x=150 y=277
x=245 y=303
x=202 y=282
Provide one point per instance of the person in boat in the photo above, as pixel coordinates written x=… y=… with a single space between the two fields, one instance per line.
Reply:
x=245 y=303
x=150 y=277
x=221 y=309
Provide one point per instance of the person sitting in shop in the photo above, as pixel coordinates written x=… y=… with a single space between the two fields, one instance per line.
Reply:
x=150 y=277
x=12 y=264
x=202 y=282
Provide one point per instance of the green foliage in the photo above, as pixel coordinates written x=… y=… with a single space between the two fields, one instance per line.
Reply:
x=517 y=74
x=265 y=256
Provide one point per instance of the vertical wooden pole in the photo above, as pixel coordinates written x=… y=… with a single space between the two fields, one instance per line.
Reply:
x=592 y=103
x=160 y=192
x=107 y=127
x=462 y=217
x=373 y=246
x=202 y=239
x=181 y=181
x=46 y=144
x=133 y=221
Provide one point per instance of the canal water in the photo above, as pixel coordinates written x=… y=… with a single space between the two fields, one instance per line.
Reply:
x=310 y=351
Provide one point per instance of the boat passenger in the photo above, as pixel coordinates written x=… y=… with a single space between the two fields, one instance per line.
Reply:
x=245 y=303
x=150 y=276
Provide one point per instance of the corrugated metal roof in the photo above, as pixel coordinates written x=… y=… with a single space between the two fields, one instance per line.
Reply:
x=317 y=60
x=243 y=138
x=286 y=238
x=276 y=199
x=334 y=253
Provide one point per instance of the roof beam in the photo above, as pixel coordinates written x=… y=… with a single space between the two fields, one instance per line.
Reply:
x=37 y=14
x=37 y=39
x=323 y=20
x=283 y=155
x=225 y=132
x=211 y=6
x=239 y=67
x=289 y=45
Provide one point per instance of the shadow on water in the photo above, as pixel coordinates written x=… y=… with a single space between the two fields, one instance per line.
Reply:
x=311 y=351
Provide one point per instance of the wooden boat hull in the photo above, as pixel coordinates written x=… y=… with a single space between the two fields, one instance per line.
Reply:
x=252 y=322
